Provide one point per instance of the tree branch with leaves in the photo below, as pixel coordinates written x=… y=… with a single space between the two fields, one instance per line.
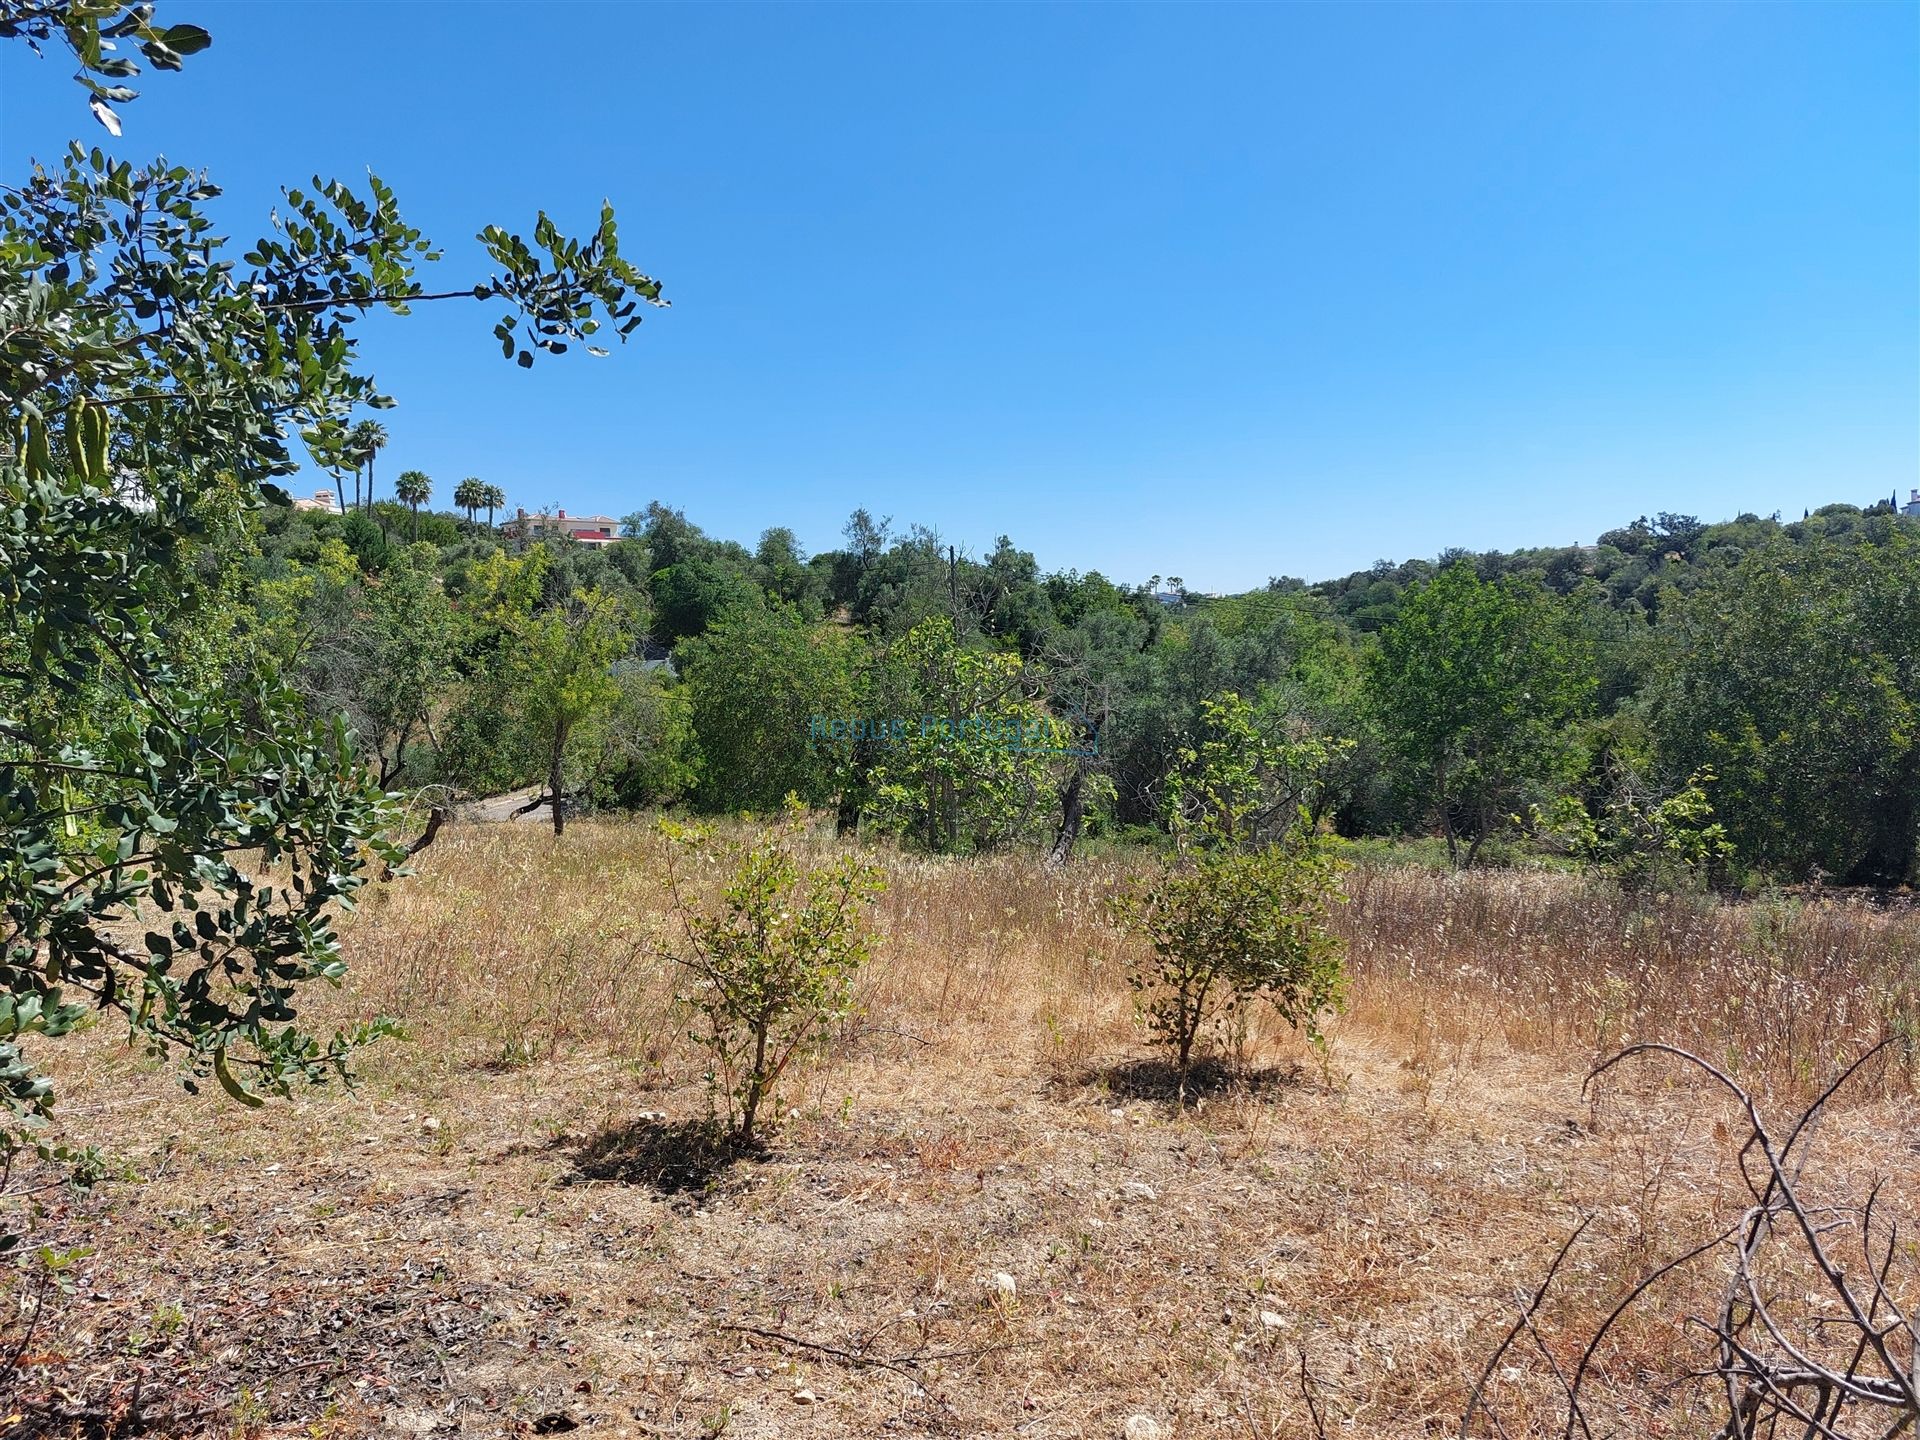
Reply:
x=156 y=383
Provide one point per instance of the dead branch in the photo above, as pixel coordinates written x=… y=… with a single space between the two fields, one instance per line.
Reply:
x=904 y=1365
x=1306 y=1393
x=1799 y=1344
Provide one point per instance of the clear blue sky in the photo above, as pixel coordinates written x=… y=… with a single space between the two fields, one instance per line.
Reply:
x=1211 y=292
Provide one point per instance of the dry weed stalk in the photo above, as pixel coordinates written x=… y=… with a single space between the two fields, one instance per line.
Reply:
x=1800 y=1346
x=1550 y=963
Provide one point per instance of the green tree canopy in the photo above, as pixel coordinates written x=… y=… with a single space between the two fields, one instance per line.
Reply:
x=757 y=680
x=964 y=761
x=1474 y=683
x=1795 y=679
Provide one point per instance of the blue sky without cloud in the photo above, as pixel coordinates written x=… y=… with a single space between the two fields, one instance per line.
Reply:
x=1221 y=293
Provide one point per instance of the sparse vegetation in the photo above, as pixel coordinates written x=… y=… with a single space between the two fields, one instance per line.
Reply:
x=1385 y=1209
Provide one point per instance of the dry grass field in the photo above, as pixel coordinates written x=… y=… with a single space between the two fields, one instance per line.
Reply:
x=980 y=1215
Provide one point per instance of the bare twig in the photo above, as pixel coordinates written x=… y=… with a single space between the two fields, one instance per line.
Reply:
x=1842 y=1364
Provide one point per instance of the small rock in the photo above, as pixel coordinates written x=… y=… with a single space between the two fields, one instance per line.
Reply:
x=804 y=1396
x=1272 y=1319
x=1003 y=1282
x=1142 y=1427
x=430 y=1124
x=1138 y=1190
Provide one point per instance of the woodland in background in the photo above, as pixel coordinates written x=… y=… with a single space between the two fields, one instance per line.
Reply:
x=1680 y=704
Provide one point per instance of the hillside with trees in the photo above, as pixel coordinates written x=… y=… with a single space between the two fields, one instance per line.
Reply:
x=1567 y=702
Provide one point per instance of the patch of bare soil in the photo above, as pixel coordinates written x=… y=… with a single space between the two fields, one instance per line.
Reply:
x=1004 y=1255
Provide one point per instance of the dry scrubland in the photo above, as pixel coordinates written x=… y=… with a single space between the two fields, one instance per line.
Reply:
x=508 y=1230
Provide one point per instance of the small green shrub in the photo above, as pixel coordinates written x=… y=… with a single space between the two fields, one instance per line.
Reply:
x=1229 y=929
x=766 y=967
x=1645 y=840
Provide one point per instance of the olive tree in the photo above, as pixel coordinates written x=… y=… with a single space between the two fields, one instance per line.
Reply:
x=560 y=677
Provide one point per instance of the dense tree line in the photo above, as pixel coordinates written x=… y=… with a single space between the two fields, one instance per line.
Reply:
x=1555 y=700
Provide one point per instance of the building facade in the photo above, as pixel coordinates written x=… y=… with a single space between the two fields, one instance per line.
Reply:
x=595 y=531
x=323 y=500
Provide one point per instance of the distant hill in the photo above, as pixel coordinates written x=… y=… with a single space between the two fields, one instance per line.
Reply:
x=1634 y=565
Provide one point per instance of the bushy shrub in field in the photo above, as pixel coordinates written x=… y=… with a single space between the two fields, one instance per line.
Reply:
x=1645 y=840
x=766 y=966
x=1229 y=929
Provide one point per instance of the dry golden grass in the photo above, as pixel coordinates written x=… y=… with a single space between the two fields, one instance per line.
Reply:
x=506 y=1229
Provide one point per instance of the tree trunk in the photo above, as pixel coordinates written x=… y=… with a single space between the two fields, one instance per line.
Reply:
x=1446 y=814
x=756 y=1086
x=553 y=782
x=390 y=768
x=1073 y=806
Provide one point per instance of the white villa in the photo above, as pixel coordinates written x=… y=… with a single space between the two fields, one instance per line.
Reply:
x=591 y=530
x=324 y=500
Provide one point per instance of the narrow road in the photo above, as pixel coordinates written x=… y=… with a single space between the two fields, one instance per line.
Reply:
x=501 y=807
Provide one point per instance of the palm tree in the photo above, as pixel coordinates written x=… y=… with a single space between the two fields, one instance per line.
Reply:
x=412 y=489
x=366 y=440
x=494 y=499
x=470 y=494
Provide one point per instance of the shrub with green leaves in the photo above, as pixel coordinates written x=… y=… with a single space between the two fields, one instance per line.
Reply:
x=1239 y=781
x=766 y=967
x=1644 y=839
x=1227 y=930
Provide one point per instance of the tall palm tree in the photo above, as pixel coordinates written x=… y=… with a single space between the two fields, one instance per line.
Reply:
x=412 y=489
x=495 y=499
x=470 y=494
x=366 y=440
